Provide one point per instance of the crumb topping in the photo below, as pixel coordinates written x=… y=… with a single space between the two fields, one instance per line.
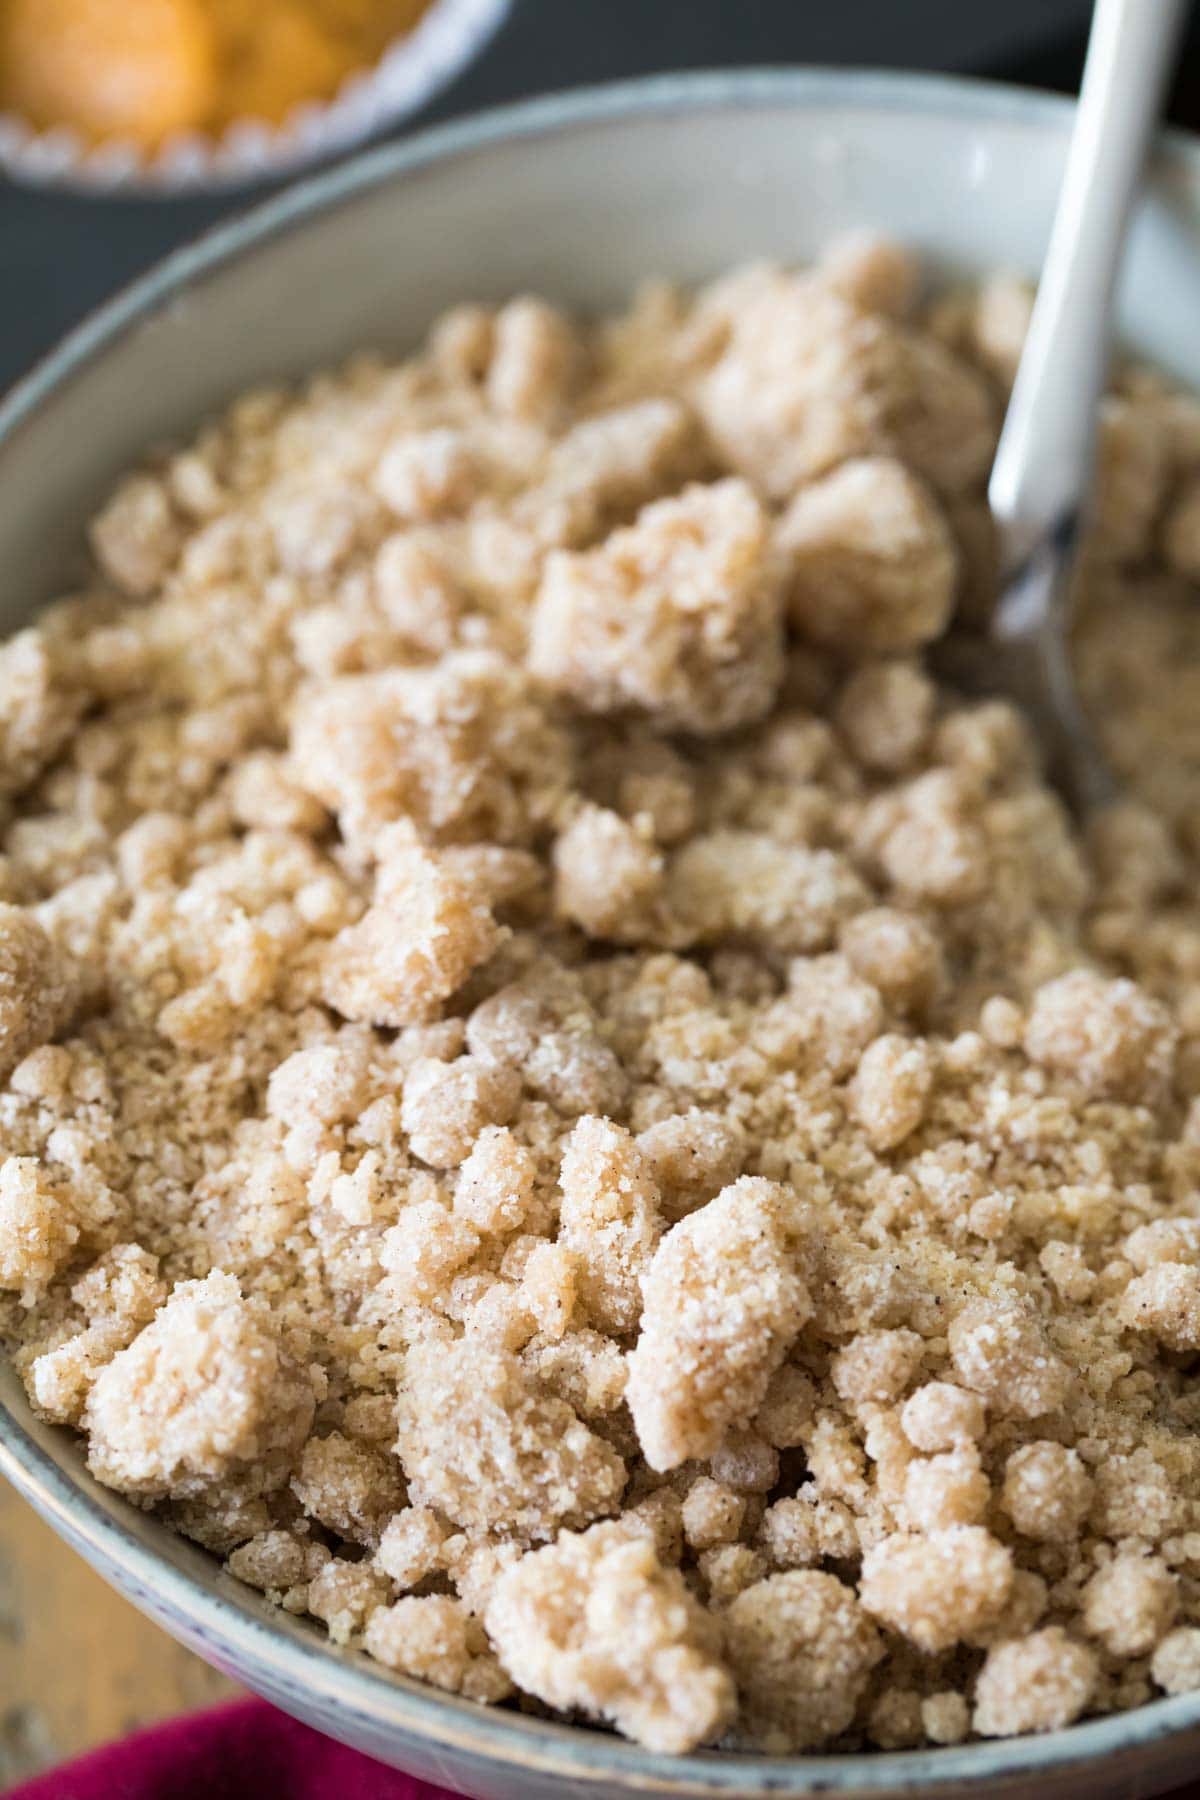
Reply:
x=595 y=1622
x=568 y=1109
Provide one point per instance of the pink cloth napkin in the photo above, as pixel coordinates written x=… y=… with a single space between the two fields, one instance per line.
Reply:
x=243 y=1751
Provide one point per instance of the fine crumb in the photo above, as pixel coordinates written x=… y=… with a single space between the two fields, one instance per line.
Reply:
x=808 y=381
x=596 y=1622
x=480 y=1443
x=1047 y=1491
x=937 y=1589
x=39 y=1228
x=411 y=949
x=940 y=1416
x=280 y=1563
x=873 y=271
x=203 y=1395
x=1175 y=1665
x=678 y=616
x=137 y=537
x=1130 y=1604
x=609 y=1217
x=1117 y=1041
x=1038 y=1683
x=349 y=1487
x=1165 y=1300
x=344 y=1595
x=436 y=1639
x=36 y=990
x=872 y=565
x=723 y=1301
x=946 y=1718
x=801 y=1648
x=1000 y=1349
x=411 y=1545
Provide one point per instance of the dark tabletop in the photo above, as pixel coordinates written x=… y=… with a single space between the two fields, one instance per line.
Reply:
x=60 y=255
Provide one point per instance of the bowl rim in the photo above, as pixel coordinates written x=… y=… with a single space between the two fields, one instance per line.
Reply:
x=104 y=1528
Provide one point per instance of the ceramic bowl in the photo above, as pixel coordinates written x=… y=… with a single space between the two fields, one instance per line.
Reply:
x=577 y=198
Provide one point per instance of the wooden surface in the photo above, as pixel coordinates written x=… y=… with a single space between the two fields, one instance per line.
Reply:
x=78 y=1665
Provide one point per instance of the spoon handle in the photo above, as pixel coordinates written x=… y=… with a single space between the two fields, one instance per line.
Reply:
x=1044 y=460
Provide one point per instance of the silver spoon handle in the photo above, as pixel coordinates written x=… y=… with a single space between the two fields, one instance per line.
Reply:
x=1044 y=460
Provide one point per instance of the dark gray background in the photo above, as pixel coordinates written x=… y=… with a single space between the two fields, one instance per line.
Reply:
x=60 y=255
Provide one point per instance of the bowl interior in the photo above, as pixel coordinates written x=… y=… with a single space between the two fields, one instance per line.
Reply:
x=576 y=198
x=580 y=199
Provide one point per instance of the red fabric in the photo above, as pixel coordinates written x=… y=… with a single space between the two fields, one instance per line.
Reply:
x=243 y=1751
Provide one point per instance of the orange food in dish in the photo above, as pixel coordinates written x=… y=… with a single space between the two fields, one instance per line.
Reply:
x=275 y=59
x=149 y=69
x=143 y=69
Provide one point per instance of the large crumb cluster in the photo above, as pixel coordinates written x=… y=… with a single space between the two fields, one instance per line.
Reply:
x=568 y=1111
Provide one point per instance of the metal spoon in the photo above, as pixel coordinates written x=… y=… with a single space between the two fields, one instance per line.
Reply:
x=1043 y=467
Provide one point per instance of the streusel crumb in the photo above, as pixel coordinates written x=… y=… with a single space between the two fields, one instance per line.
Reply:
x=438 y=1640
x=939 y=1588
x=871 y=561
x=568 y=1108
x=801 y=1648
x=204 y=1395
x=722 y=1300
x=595 y=1622
x=36 y=990
x=677 y=616
x=1038 y=1683
x=492 y=1450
